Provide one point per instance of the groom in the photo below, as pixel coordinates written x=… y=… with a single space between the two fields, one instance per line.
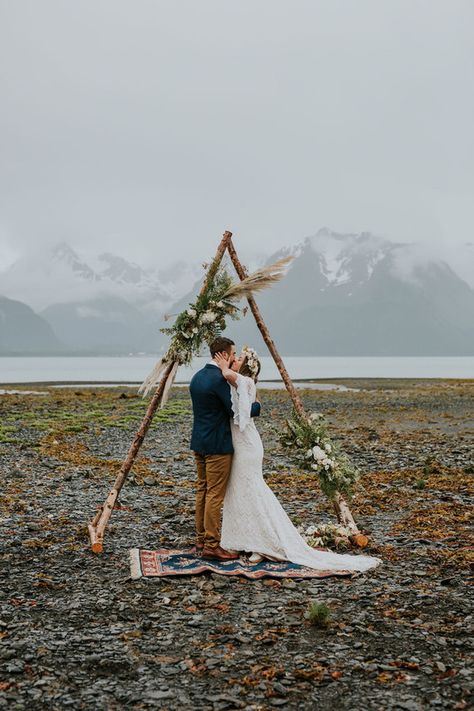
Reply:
x=211 y=442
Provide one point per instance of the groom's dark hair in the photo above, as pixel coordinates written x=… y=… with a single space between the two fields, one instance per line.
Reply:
x=220 y=344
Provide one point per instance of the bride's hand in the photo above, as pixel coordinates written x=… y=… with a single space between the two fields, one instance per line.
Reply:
x=222 y=360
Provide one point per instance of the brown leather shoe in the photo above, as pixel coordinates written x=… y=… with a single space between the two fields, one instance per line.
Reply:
x=219 y=553
x=197 y=548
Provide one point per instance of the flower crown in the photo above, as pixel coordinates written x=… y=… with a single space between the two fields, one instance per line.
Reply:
x=252 y=359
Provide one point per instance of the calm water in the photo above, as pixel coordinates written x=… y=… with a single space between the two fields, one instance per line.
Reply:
x=133 y=369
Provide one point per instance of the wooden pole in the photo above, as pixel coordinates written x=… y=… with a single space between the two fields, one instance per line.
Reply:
x=266 y=335
x=341 y=507
x=97 y=526
x=100 y=521
x=211 y=272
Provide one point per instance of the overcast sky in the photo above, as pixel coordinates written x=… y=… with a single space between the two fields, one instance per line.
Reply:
x=148 y=127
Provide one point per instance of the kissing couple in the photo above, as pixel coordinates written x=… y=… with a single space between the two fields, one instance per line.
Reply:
x=236 y=512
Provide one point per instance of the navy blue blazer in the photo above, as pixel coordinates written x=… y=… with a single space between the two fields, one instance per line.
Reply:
x=212 y=409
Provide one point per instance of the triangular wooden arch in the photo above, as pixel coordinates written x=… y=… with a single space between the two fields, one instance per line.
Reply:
x=99 y=522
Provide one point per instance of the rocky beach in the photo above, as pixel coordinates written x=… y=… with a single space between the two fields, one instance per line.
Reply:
x=76 y=632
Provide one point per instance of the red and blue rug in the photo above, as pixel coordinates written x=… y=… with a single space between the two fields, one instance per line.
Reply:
x=164 y=562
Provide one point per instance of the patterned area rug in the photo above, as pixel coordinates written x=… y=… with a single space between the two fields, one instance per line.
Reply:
x=164 y=562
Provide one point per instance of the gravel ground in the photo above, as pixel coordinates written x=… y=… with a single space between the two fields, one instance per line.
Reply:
x=76 y=632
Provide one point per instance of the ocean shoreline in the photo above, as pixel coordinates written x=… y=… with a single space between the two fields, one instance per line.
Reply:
x=267 y=383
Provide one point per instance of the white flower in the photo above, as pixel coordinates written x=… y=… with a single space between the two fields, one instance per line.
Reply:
x=220 y=304
x=191 y=312
x=195 y=330
x=315 y=467
x=309 y=454
x=187 y=335
x=208 y=317
x=328 y=448
x=326 y=534
x=319 y=454
x=252 y=364
x=252 y=359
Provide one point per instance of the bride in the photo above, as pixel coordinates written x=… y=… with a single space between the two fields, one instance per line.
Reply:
x=253 y=519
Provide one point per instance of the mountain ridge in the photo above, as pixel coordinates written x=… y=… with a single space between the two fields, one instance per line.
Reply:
x=24 y=331
x=368 y=303
x=345 y=294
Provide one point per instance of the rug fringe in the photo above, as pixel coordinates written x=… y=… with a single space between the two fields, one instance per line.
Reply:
x=135 y=565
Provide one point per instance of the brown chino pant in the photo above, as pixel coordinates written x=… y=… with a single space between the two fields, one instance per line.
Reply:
x=213 y=472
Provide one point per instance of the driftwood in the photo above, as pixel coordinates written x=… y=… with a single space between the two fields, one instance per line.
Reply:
x=341 y=507
x=98 y=524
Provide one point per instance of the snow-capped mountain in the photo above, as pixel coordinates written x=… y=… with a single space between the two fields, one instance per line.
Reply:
x=63 y=255
x=103 y=303
x=345 y=294
x=60 y=275
x=352 y=257
x=341 y=258
x=120 y=271
x=359 y=294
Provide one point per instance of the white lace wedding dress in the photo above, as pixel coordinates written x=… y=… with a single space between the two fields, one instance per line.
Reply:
x=253 y=519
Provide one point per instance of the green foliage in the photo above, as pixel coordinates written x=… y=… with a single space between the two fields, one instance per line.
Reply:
x=318 y=614
x=203 y=321
x=75 y=428
x=309 y=441
x=6 y=432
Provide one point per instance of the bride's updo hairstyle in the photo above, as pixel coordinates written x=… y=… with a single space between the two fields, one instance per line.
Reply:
x=250 y=367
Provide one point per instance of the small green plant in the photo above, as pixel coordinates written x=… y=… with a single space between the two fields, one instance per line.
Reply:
x=420 y=484
x=4 y=439
x=318 y=614
x=75 y=428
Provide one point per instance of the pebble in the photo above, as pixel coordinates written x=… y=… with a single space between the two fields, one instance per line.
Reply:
x=76 y=632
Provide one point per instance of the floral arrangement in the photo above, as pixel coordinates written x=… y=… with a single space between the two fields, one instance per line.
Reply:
x=205 y=319
x=202 y=322
x=252 y=359
x=308 y=439
x=327 y=535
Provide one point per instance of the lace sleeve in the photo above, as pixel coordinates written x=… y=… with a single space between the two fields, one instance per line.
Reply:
x=242 y=401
